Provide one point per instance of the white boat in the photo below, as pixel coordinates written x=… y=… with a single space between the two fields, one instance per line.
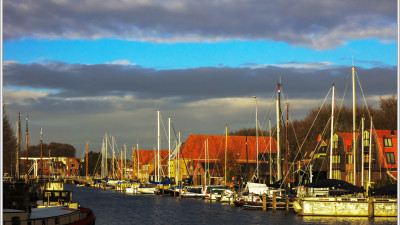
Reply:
x=132 y=189
x=227 y=196
x=147 y=188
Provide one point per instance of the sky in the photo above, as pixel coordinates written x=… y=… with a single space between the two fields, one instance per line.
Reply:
x=85 y=69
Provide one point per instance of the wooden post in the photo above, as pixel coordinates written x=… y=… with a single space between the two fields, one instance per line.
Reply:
x=370 y=207
x=185 y=192
x=180 y=193
x=264 y=198
x=273 y=202
x=174 y=192
x=252 y=196
x=287 y=203
x=163 y=190
x=210 y=195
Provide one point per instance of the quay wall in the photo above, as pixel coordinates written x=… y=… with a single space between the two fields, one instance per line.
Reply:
x=346 y=208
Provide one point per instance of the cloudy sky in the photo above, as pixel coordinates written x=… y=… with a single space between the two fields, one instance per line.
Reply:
x=84 y=69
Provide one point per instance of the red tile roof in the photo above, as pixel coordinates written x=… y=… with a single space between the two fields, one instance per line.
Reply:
x=146 y=156
x=348 y=138
x=194 y=147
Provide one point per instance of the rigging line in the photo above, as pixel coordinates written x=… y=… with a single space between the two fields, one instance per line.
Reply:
x=380 y=152
x=271 y=105
x=362 y=92
x=305 y=138
x=341 y=104
x=95 y=168
x=327 y=149
x=165 y=131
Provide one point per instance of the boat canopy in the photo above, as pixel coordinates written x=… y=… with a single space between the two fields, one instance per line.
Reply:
x=164 y=182
x=336 y=184
x=386 y=190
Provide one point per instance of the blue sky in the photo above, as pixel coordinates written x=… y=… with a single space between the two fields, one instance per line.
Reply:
x=83 y=70
x=191 y=55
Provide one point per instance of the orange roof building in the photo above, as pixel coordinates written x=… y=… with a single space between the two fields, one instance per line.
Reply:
x=209 y=151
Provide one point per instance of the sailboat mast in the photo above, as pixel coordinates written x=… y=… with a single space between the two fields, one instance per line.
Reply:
x=354 y=125
x=87 y=159
x=158 y=147
x=226 y=148
x=362 y=151
x=278 y=147
x=257 y=173
x=19 y=144
x=138 y=161
x=205 y=163
x=179 y=159
x=332 y=123
x=370 y=157
x=41 y=151
x=270 y=153
x=26 y=143
x=106 y=159
x=286 y=166
x=169 y=147
x=113 y=157
x=102 y=160
x=125 y=159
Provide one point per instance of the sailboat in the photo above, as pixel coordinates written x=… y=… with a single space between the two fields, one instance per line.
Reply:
x=256 y=190
x=320 y=201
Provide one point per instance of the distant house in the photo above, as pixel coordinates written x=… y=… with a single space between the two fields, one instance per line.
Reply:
x=147 y=164
x=383 y=157
x=241 y=152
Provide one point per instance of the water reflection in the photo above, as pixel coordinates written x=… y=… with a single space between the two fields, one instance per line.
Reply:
x=111 y=207
x=348 y=220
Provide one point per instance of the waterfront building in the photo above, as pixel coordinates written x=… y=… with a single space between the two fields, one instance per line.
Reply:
x=204 y=155
x=383 y=157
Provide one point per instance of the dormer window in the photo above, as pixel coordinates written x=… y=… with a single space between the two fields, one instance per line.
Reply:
x=387 y=142
x=366 y=138
x=335 y=141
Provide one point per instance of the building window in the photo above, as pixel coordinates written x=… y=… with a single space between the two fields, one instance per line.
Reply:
x=349 y=159
x=335 y=141
x=336 y=174
x=387 y=142
x=335 y=158
x=390 y=160
x=349 y=177
x=366 y=138
x=366 y=158
x=73 y=165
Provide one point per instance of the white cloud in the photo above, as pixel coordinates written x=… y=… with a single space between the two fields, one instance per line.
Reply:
x=122 y=62
x=20 y=97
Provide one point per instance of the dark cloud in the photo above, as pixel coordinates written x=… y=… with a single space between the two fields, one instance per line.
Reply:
x=76 y=103
x=77 y=80
x=317 y=24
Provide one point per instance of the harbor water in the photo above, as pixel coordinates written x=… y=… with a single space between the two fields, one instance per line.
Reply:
x=111 y=207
